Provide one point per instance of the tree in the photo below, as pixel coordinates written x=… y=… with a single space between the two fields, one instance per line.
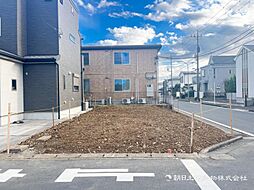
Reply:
x=230 y=85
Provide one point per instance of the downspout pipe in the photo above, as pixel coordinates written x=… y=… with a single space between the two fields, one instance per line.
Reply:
x=81 y=76
x=58 y=92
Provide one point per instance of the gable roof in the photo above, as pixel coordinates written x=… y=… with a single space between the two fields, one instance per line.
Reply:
x=225 y=59
x=248 y=47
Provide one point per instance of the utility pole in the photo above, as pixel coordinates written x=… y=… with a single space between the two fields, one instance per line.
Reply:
x=198 y=51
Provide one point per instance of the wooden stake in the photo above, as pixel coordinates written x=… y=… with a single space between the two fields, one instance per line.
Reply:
x=192 y=131
x=69 y=109
x=53 y=117
x=201 y=112
x=8 y=130
x=230 y=116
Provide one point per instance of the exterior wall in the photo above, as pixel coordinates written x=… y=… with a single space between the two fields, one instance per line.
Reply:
x=222 y=73
x=8 y=14
x=185 y=79
x=251 y=75
x=10 y=70
x=70 y=57
x=102 y=72
x=40 y=87
x=239 y=78
x=42 y=27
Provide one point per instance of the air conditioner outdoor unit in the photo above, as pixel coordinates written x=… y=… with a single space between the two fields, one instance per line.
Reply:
x=126 y=101
x=142 y=101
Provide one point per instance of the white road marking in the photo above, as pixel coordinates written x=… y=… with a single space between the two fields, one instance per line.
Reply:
x=215 y=122
x=202 y=179
x=11 y=173
x=121 y=174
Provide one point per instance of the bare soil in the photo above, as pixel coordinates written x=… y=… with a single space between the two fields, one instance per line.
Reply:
x=127 y=129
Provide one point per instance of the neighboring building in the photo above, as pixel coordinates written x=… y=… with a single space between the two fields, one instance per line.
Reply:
x=244 y=74
x=121 y=72
x=186 y=78
x=40 y=51
x=194 y=85
x=213 y=75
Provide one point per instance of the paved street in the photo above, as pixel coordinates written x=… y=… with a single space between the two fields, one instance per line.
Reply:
x=229 y=168
x=242 y=120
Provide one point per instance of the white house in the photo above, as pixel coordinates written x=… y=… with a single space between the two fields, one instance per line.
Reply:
x=213 y=75
x=244 y=74
x=11 y=88
x=186 y=78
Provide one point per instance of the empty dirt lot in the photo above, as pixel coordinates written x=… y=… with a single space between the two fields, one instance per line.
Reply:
x=127 y=129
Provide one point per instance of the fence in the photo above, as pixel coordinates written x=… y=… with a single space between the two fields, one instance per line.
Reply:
x=53 y=110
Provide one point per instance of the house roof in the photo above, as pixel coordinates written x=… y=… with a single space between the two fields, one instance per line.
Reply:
x=122 y=47
x=187 y=73
x=249 y=47
x=27 y=59
x=225 y=59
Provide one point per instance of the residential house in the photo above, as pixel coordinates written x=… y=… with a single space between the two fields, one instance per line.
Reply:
x=40 y=62
x=121 y=73
x=213 y=75
x=186 y=81
x=244 y=77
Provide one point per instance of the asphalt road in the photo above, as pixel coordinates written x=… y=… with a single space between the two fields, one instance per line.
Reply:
x=230 y=168
x=242 y=119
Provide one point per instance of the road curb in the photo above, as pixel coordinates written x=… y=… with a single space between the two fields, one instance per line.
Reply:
x=99 y=156
x=219 y=145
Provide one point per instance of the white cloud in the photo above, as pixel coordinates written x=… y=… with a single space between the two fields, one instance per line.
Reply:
x=170 y=38
x=124 y=14
x=166 y=10
x=93 y=7
x=131 y=35
x=181 y=26
x=105 y=3
x=219 y=21
x=89 y=7
x=107 y=42
x=161 y=10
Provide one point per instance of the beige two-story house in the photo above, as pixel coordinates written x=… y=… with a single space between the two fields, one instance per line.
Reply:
x=121 y=74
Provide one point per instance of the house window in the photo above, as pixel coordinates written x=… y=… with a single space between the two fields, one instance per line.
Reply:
x=87 y=87
x=85 y=58
x=230 y=71
x=203 y=73
x=64 y=82
x=14 y=84
x=72 y=38
x=214 y=73
x=72 y=10
x=121 y=58
x=61 y=1
x=122 y=85
x=75 y=82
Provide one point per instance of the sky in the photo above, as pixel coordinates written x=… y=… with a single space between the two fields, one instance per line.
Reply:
x=172 y=23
